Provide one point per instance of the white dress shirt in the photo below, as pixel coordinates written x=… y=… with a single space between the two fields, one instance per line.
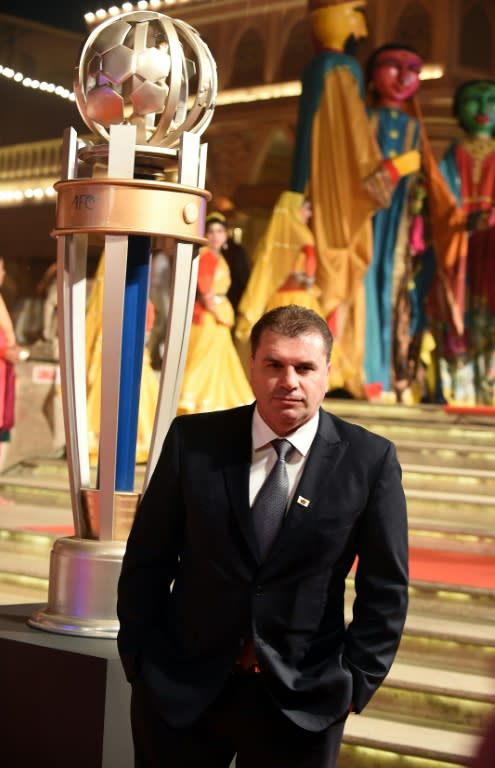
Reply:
x=264 y=456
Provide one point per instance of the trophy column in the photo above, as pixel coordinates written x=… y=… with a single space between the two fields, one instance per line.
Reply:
x=133 y=202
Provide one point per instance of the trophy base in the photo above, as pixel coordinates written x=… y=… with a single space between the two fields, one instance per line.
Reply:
x=82 y=593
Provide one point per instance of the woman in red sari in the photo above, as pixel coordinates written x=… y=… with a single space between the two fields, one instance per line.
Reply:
x=214 y=377
x=9 y=356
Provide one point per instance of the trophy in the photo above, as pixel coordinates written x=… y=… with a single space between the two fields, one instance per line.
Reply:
x=145 y=85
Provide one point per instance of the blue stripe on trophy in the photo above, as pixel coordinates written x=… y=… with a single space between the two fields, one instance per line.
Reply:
x=133 y=331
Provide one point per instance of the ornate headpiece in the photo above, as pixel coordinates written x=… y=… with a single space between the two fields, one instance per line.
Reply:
x=215 y=217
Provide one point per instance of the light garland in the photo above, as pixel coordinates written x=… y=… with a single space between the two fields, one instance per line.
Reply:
x=37 y=85
x=142 y=5
x=28 y=195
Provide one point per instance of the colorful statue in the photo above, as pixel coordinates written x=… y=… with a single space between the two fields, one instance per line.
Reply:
x=392 y=75
x=284 y=265
x=214 y=377
x=467 y=357
x=338 y=165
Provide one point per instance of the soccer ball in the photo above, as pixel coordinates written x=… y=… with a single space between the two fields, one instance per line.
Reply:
x=134 y=69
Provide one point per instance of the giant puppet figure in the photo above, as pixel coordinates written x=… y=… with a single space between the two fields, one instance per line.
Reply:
x=467 y=358
x=284 y=265
x=392 y=76
x=338 y=164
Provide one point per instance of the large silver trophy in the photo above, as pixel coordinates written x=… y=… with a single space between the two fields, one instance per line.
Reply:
x=146 y=84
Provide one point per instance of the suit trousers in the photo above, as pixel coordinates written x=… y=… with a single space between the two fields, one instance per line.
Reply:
x=243 y=721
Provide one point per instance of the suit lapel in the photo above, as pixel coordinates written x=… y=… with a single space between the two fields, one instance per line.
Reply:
x=322 y=463
x=236 y=466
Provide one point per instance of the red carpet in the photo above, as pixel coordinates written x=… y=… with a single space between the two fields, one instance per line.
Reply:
x=462 y=569
x=58 y=530
x=471 y=410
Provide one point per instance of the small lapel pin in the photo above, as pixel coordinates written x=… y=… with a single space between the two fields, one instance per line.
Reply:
x=302 y=501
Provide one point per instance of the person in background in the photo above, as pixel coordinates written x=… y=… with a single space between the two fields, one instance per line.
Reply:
x=213 y=377
x=231 y=595
x=10 y=355
x=238 y=263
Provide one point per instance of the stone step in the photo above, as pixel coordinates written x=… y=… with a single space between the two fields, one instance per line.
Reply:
x=433 y=453
x=444 y=682
x=447 y=627
x=450 y=536
x=16 y=589
x=443 y=643
x=420 y=695
x=35 y=491
x=420 y=424
x=430 y=497
x=469 y=480
x=448 y=601
x=422 y=413
x=452 y=437
x=392 y=742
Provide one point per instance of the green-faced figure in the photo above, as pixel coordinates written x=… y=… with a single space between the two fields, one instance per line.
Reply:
x=474 y=107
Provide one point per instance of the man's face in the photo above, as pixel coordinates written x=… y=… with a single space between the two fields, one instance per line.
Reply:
x=396 y=76
x=477 y=109
x=289 y=377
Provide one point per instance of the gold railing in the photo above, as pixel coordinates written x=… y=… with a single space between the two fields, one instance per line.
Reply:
x=27 y=162
x=29 y=171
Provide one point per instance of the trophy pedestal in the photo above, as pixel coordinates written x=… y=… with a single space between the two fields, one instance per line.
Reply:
x=83 y=588
x=66 y=698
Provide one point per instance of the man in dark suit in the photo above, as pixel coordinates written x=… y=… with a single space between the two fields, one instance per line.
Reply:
x=232 y=627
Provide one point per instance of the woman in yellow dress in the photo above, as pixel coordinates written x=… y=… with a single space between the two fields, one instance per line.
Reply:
x=214 y=377
x=149 y=383
x=284 y=265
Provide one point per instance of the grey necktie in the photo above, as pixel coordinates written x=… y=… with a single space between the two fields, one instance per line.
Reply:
x=271 y=502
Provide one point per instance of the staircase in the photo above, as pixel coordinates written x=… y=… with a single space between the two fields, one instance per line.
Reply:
x=441 y=689
x=429 y=712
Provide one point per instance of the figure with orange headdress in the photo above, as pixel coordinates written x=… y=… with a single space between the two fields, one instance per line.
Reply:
x=338 y=164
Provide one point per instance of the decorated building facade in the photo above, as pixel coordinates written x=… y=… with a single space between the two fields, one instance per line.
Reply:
x=261 y=48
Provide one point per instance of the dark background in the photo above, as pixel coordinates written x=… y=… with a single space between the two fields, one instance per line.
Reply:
x=65 y=14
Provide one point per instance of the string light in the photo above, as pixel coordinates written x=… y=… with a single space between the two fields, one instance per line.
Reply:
x=93 y=16
x=29 y=195
x=35 y=84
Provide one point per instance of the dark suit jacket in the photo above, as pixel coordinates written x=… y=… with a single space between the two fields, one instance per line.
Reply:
x=192 y=586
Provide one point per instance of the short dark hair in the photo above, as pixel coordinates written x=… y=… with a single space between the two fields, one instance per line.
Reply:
x=291 y=321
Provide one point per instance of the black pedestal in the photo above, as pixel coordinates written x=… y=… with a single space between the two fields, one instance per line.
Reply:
x=64 y=700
